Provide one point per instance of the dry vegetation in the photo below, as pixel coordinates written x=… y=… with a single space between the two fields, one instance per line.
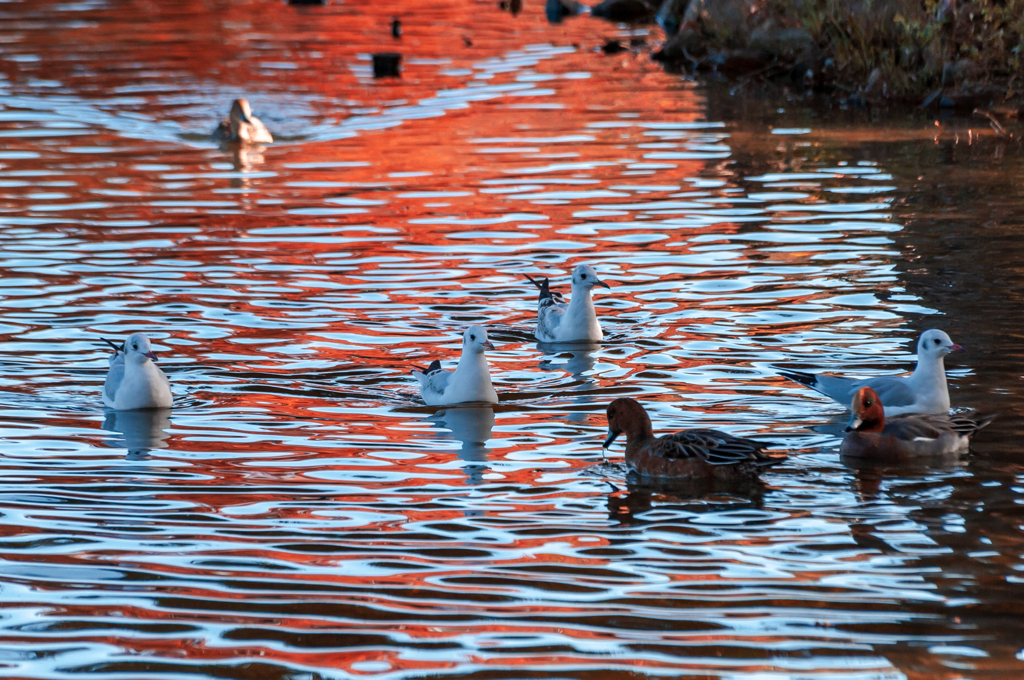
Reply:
x=901 y=49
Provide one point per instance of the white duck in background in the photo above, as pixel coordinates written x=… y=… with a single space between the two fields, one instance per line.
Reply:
x=923 y=391
x=133 y=380
x=471 y=379
x=575 y=321
x=242 y=127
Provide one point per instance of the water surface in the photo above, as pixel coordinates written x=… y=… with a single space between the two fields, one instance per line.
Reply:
x=301 y=514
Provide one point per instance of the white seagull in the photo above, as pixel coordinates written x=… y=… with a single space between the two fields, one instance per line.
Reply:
x=133 y=380
x=242 y=127
x=924 y=391
x=575 y=321
x=471 y=379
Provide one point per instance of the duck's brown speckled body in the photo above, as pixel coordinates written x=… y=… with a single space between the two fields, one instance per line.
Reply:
x=690 y=454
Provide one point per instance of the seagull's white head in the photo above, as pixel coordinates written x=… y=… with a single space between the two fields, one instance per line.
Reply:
x=585 y=277
x=475 y=339
x=138 y=349
x=935 y=343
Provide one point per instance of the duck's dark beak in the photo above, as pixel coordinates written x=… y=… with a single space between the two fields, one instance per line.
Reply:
x=855 y=422
x=149 y=355
x=488 y=345
x=610 y=439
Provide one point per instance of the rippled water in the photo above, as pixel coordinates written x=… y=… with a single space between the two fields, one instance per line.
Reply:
x=301 y=514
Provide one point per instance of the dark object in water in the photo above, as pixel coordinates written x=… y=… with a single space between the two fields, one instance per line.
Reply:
x=396 y=28
x=801 y=73
x=556 y=10
x=513 y=6
x=628 y=11
x=736 y=63
x=612 y=47
x=670 y=16
x=856 y=99
x=387 y=65
x=685 y=47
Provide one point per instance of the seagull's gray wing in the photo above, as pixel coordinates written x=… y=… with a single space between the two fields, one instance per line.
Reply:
x=549 y=318
x=114 y=377
x=892 y=391
x=437 y=382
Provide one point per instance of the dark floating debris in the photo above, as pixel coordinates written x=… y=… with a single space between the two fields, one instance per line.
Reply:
x=556 y=10
x=627 y=11
x=612 y=47
x=513 y=6
x=387 y=65
x=396 y=28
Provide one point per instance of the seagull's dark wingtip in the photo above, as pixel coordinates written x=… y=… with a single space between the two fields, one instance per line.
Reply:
x=808 y=379
x=545 y=289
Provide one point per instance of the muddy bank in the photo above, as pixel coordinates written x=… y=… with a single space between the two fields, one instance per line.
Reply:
x=941 y=53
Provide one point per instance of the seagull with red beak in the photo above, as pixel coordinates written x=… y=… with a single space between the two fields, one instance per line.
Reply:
x=923 y=391
x=559 y=321
x=469 y=382
x=133 y=380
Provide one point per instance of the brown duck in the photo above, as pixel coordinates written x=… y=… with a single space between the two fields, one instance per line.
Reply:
x=688 y=454
x=241 y=127
x=871 y=435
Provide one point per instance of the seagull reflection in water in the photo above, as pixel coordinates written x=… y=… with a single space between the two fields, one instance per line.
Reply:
x=471 y=426
x=141 y=430
x=580 y=361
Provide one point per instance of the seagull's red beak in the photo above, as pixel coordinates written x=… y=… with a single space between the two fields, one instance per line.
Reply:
x=957 y=348
x=150 y=356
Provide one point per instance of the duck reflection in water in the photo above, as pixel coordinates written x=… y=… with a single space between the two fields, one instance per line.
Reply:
x=471 y=426
x=871 y=476
x=627 y=506
x=245 y=160
x=141 y=430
